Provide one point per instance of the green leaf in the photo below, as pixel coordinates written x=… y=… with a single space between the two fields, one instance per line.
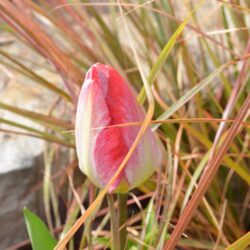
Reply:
x=39 y=234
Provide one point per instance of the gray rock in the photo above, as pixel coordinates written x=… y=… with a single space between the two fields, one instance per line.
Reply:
x=18 y=152
x=17 y=190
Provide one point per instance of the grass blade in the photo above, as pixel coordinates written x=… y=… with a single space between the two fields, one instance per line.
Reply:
x=163 y=56
x=241 y=243
x=36 y=116
x=42 y=134
x=207 y=177
x=186 y=97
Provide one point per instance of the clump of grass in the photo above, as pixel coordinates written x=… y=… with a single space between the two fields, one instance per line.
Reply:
x=198 y=103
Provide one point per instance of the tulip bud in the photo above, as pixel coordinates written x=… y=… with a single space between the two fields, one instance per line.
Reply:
x=106 y=99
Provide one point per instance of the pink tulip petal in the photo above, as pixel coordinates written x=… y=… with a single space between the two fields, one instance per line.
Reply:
x=112 y=144
x=109 y=152
x=107 y=99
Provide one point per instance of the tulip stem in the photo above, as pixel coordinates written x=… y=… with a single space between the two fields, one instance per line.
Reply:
x=123 y=213
x=114 y=223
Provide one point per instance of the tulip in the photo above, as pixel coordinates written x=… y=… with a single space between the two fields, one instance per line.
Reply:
x=106 y=99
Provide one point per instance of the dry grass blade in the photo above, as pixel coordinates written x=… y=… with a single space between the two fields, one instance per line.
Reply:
x=61 y=245
x=207 y=177
x=31 y=31
x=32 y=75
x=94 y=205
x=189 y=66
x=172 y=121
x=36 y=116
x=38 y=133
x=165 y=53
x=187 y=96
x=233 y=98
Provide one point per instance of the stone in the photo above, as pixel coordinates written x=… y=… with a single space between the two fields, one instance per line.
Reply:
x=21 y=164
x=17 y=190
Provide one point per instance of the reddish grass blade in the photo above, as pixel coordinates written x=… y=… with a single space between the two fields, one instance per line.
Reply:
x=233 y=98
x=206 y=179
x=23 y=24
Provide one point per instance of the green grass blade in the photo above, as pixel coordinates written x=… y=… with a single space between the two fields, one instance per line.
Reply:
x=36 y=116
x=194 y=180
x=41 y=134
x=241 y=243
x=242 y=171
x=32 y=75
x=39 y=234
x=186 y=97
x=199 y=245
x=163 y=56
